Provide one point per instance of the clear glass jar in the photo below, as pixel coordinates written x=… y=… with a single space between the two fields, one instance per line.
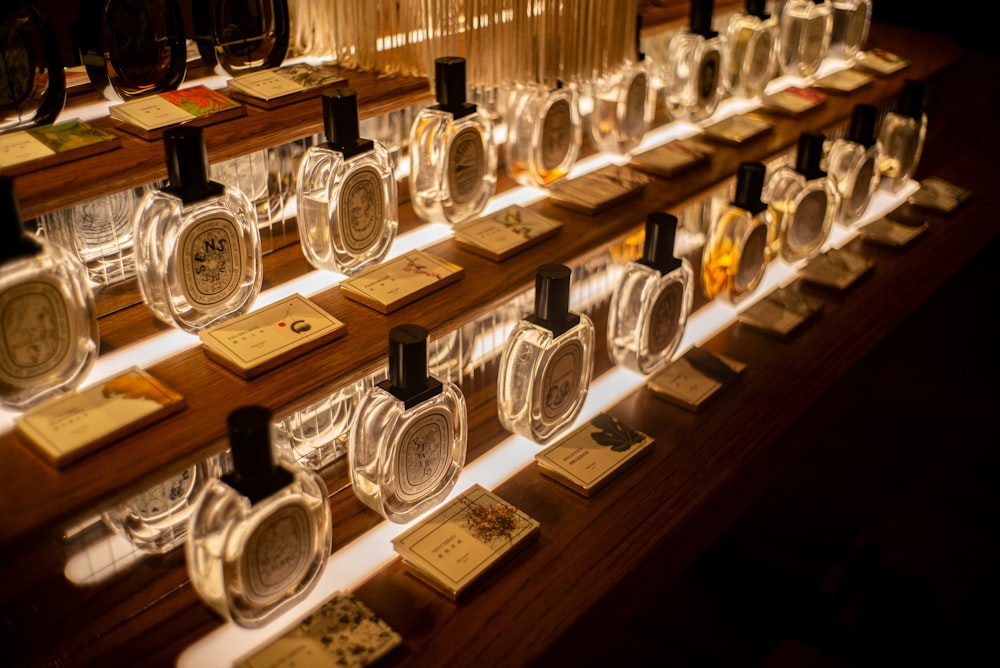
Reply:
x=695 y=80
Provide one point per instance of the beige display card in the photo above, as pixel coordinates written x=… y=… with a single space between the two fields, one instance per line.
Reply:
x=67 y=428
x=284 y=85
x=780 y=312
x=836 y=268
x=396 y=283
x=738 y=129
x=674 y=157
x=882 y=61
x=264 y=339
x=794 y=100
x=694 y=378
x=887 y=232
x=505 y=233
x=590 y=455
x=939 y=195
x=599 y=189
x=18 y=147
x=844 y=81
x=344 y=633
x=463 y=540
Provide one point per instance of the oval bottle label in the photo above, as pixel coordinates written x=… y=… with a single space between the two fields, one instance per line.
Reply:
x=277 y=555
x=36 y=331
x=664 y=318
x=362 y=215
x=212 y=260
x=708 y=77
x=423 y=454
x=634 y=118
x=556 y=134
x=466 y=165
x=561 y=380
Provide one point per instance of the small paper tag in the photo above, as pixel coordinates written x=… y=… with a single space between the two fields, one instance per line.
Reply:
x=890 y=233
x=463 y=540
x=882 y=61
x=694 y=378
x=844 y=81
x=259 y=341
x=67 y=428
x=504 y=233
x=265 y=84
x=794 y=100
x=939 y=195
x=836 y=268
x=738 y=129
x=673 y=157
x=599 y=189
x=780 y=312
x=587 y=458
x=393 y=284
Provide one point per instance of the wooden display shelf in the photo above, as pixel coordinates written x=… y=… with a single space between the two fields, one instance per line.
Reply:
x=649 y=524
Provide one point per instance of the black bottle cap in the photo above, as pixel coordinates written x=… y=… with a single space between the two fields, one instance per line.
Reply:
x=639 y=54
x=449 y=85
x=187 y=164
x=810 y=153
x=749 y=185
x=552 y=299
x=255 y=474
x=15 y=241
x=701 y=18
x=911 y=99
x=341 y=124
x=408 y=378
x=863 y=121
x=658 y=248
x=758 y=8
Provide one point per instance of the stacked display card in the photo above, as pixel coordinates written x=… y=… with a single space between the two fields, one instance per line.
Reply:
x=600 y=189
x=780 y=312
x=396 y=283
x=885 y=231
x=844 y=81
x=464 y=540
x=148 y=116
x=284 y=85
x=882 y=62
x=344 y=633
x=936 y=194
x=837 y=268
x=67 y=428
x=266 y=338
x=43 y=146
x=504 y=233
x=674 y=157
x=589 y=456
x=694 y=378
x=738 y=129
x=794 y=100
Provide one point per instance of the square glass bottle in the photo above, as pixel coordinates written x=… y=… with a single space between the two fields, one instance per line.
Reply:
x=737 y=250
x=902 y=135
x=751 y=41
x=803 y=37
x=260 y=535
x=651 y=300
x=849 y=30
x=543 y=133
x=406 y=447
x=853 y=162
x=48 y=319
x=695 y=80
x=546 y=363
x=197 y=246
x=453 y=154
x=346 y=193
x=803 y=199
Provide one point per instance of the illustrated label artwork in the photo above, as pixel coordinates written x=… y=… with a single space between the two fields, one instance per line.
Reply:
x=164 y=497
x=467 y=160
x=635 y=106
x=561 y=380
x=37 y=331
x=421 y=460
x=362 y=218
x=664 y=317
x=708 y=77
x=211 y=260
x=277 y=554
x=555 y=134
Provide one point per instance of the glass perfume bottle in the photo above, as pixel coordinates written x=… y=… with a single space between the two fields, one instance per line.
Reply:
x=751 y=39
x=804 y=200
x=803 y=37
x=259 y=536
x=902 y=135
x=32 y=81
x=546 y=362
x=624 y=104
x=132 y=48
x=346 y=192
x=48 y=322
x=544 y=133
x=243 y=36
x=737 y=250
x=197 y=246
x=853 y=162
x=651 y=301
x=695 y=79
x=407 y=444
x=849 y=30
x=453 y=155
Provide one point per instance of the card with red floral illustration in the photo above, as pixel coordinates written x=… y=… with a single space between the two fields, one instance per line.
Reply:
x=148 y=116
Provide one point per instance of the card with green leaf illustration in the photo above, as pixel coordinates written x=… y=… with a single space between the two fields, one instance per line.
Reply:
x=43 y=146
x=150 y=115
x=284 y=85
x=395 y=283
x=504 y=233
x=590 y=455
